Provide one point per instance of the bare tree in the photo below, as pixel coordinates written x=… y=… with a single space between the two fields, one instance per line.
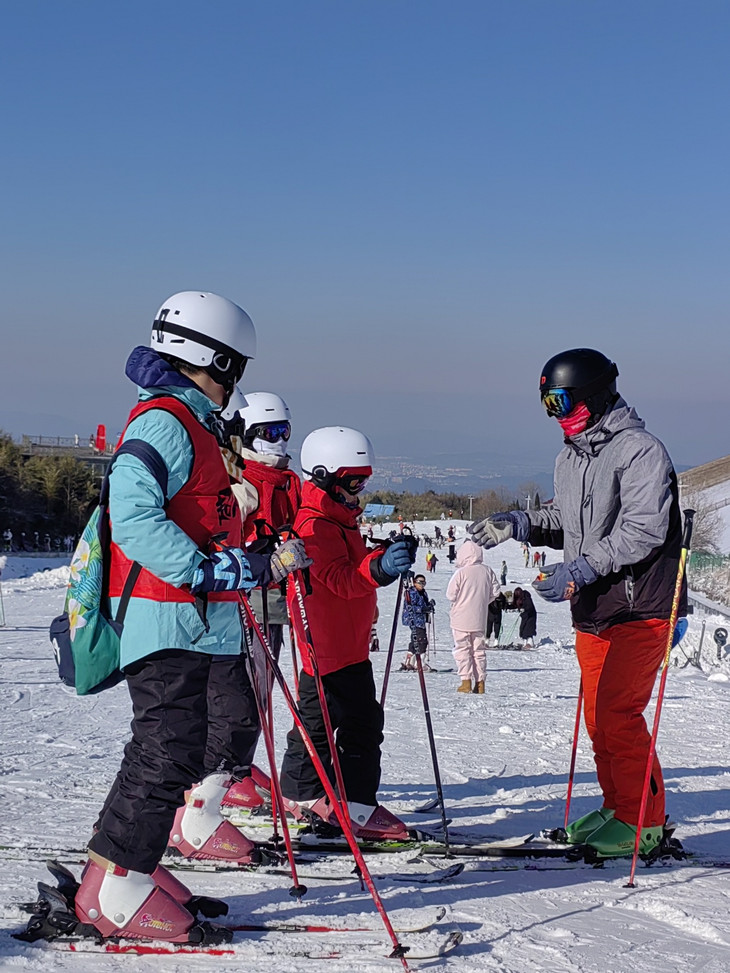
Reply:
x=707 y=526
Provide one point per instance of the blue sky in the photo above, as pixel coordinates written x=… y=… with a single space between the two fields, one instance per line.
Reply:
x=417 y=202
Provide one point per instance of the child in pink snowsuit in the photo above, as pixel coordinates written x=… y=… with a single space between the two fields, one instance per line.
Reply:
x=471 y=589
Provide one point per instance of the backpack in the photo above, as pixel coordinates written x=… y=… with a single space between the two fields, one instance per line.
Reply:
x=86 y=637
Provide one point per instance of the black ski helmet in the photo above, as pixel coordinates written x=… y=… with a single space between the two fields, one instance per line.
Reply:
x=587 y=375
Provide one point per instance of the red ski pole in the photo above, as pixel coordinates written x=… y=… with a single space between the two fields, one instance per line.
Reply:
x=571 y=775
x=297 y=890
x=329 y=732
x=399 y=951
x=686 y=539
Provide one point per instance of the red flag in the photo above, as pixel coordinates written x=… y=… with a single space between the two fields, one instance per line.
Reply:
x=100 y=438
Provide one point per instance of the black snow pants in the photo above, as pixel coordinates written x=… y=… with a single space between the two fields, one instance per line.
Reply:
x=188 y=720
x=494 y=623
x=357 y=719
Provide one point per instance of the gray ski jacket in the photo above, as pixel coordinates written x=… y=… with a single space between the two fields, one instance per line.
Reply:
x=616 y=503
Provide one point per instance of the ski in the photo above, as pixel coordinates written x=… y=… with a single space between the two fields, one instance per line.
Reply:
x=428 y=806
x=523 y=846
x=245 y=822
x=437 y=876
x=295 y=927
x=309 y=841
x=427 y=668
x=447 y=945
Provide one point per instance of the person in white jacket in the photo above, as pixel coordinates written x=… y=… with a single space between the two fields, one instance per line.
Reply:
x=471 y=590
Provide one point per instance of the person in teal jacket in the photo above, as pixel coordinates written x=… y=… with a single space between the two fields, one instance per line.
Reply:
x=182 y=638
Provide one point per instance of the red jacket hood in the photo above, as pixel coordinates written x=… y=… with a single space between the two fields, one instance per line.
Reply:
x=317 y=500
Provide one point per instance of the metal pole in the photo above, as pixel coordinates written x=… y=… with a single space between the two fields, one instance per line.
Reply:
x=687 y=536
x=432 y=746
x=399 y=951
x=391 y=647
x=574 y=751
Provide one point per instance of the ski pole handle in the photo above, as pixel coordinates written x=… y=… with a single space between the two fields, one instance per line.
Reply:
x=288 y=531
x=689 y=516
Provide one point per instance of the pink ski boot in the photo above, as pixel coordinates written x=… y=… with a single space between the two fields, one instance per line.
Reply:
x=199 y=831
x=119 y=902
x=317 y=808
x=252 y=794
x=376 y=823
x=204 y=904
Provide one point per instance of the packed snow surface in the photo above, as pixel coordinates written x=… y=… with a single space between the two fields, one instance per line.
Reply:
x=504 y=758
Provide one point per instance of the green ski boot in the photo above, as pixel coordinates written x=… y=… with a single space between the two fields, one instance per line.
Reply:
x=578 y=831
x=615 y=838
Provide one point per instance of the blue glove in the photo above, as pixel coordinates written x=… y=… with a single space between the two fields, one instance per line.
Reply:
x=500 y=527
x=559 y=582
x=680 y=630
x=224 y=570
x=397 y=559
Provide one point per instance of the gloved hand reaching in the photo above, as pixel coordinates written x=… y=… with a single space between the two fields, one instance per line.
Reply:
x=289 y=556
x=397 y=559
x=559 y=582
x=227 y=569
x=500 y=527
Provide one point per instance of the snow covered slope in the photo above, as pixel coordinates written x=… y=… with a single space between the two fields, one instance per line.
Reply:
x=504 y=759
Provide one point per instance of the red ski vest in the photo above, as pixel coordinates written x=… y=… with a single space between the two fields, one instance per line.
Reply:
x=203 y=508
x=279 y=493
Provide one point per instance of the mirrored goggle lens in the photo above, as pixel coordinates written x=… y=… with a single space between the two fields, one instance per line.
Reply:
x=558 y=402
x=272 y=432
x=352 y=484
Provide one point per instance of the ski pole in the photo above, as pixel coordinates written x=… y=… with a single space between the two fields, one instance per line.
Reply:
x=294 y=662
x=298 y=889
x=571 y=774
x=391 y=647
x=432 y=746
x=394 y=629
x=329 y=732
x=399 y=951
x=686 y=539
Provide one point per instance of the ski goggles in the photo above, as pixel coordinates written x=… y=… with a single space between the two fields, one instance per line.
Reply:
x=558 y=402
x=272 y=432
x=353 y=482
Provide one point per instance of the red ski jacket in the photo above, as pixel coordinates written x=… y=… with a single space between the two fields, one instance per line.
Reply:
x=279 y=494
x=204 y=507
x=342 y=604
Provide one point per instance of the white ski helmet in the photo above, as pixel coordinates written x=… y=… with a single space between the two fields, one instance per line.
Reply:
x=328 y=450
x=207 y=331
x=262 y=407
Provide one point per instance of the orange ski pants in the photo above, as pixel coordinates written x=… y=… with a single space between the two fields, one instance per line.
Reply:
x=619 y=669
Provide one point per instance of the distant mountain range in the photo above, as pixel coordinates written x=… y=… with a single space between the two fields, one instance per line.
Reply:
x=447 y=473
